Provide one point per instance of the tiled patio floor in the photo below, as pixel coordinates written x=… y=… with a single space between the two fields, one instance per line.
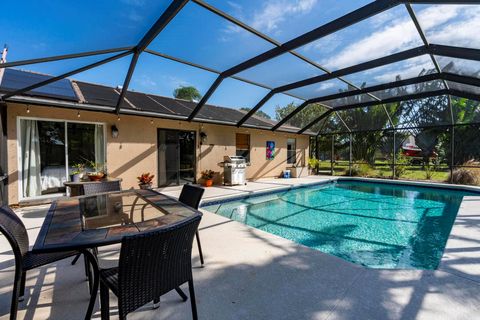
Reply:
x=250 y=274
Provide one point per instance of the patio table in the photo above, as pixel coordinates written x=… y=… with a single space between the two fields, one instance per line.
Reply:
x=89 y=222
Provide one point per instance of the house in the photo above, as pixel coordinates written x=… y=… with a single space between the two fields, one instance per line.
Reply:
x=52 y=129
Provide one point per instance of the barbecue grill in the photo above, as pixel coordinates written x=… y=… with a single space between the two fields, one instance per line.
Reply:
x=234 y=170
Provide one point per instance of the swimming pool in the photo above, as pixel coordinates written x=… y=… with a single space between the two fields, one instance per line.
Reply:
x=377 y=225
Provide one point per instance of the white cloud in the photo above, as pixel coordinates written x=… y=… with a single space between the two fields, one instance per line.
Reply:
x=137 y=3
x=392 y=38
x=460 y=30
x=326 y=45
x=235 y=6
x=325 y=86
x=410 y=69
x=274 y=12
x=146 y=81
x=443 y=24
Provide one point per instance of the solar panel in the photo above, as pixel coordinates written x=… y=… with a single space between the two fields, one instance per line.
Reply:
x=97 y=94
x=14 y=79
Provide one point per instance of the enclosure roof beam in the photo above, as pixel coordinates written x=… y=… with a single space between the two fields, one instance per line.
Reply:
x=431 y=49
x=441 y=1
x=254 y=109
x=379 y=87
x=341 y=119
x=291 y=115
x=205 y=68
x=167 y=16
x=65 y=75
x=346 y=94
x=62 y=57
x=348 y=19
x=422 y=35
x=413 y=96
x=396 y=57
x=464 y=94
x=323 y=116
x=455 y=52
x=276 y=43
x=471 y=81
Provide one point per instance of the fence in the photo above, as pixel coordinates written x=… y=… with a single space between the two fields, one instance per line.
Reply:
x=417 y=153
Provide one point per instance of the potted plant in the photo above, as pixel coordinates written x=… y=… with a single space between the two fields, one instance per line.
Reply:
x=78 y=171
x=96 y=174
x=313 y=163
x=207 y=176
x=145 y=180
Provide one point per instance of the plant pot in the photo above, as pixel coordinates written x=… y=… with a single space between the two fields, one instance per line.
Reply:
x=145 y=186
x=208 y=183
x=75 y=177
x=95 y=176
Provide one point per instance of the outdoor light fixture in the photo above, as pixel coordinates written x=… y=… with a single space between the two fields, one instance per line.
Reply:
x=115 y=131
x=28 y=109
x=203 y=137
x=78 y=114
x=118 y=119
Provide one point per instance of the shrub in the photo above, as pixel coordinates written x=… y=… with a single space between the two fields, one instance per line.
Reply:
x=313 y=163
x=401 y=165
x=361 y=170
x=470 y=176
x=429 y=170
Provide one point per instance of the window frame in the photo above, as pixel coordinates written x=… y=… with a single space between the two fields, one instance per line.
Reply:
x=247 y=158
x=21 y=197
x=290 y=156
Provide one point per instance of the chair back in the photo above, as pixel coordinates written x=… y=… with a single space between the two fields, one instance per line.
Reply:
x=101 y=187
x=153 y=263
x=191 y=195
x=14 y=230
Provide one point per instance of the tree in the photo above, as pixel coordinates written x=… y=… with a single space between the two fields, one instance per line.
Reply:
x=187 y=93
x=301 y=119
x=259 y=113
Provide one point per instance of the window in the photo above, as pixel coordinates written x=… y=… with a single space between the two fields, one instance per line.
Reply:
x=243 y=145
x=291 y=151
x=49 y=150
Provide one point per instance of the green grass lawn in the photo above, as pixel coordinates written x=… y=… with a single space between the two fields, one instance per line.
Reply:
x=383 y=170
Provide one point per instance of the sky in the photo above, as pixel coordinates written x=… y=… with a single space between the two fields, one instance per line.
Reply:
x=34 y=29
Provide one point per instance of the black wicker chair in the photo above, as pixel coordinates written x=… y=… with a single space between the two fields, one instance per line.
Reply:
x=191 y=196
x=150 y=265
x=101 y=187
x=14 y=230
x=90 y=189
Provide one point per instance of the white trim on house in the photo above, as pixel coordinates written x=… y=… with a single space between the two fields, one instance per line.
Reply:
x=19 y=152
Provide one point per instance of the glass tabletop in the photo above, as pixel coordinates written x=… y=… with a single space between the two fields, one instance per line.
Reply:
x=93 y=221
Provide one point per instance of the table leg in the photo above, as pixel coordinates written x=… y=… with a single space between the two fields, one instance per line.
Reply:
x=95 y=281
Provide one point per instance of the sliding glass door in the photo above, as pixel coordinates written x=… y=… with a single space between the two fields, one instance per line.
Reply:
x=49 y=150
x=176 y=157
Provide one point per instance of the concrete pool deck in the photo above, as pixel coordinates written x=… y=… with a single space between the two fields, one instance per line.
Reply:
x=251 y=274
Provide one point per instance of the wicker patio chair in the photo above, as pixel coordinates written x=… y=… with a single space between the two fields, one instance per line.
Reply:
x=191 y=196
x=90 y=189
x=14 y=230
x=101 y=187
x=150 y=265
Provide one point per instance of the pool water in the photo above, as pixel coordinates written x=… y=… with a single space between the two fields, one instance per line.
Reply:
x=373 y=224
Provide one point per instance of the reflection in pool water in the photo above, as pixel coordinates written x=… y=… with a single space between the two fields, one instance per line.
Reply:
x=373 y=224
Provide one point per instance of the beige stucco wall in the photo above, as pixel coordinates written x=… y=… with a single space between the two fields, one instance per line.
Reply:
x=135 y=150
